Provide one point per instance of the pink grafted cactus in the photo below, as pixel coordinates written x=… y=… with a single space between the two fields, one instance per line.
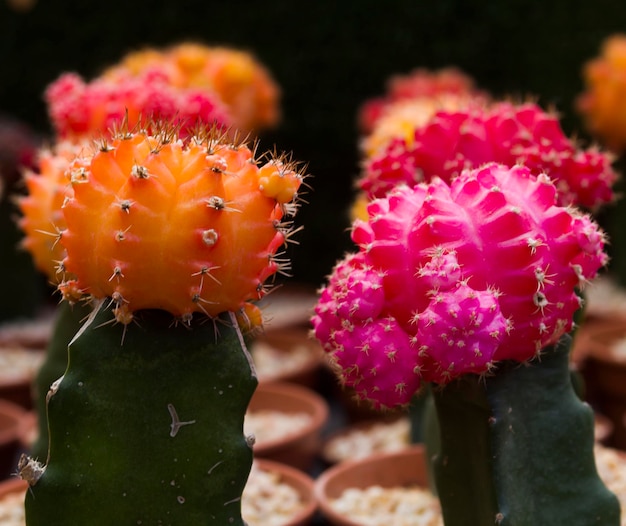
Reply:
x=453 y=277
x=505 y=133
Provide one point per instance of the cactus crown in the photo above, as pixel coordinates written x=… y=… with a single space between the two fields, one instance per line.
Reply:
x=195 y=226
x=450 y=279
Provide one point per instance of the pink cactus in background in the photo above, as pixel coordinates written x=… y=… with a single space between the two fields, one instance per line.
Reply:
x=420 y=83
x=503 y=132
x=451 y=278
x=78 y=108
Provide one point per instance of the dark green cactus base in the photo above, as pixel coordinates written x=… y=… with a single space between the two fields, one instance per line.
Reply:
x=117 y=455
x=462 y=466
x=517 y=449
x=68 y=321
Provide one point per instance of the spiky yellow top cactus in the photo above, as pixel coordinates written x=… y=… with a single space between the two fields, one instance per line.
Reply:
x=155 y=223
x=240 y=81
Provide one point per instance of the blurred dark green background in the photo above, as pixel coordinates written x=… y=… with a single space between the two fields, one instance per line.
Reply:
x=328 y=56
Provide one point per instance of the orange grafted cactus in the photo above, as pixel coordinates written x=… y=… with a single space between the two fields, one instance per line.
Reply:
x=42 y=218
x=157 y=223
x=242 y=84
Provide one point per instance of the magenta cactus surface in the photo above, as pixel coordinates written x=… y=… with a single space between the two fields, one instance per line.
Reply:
x=502 y=132
x=451 y=278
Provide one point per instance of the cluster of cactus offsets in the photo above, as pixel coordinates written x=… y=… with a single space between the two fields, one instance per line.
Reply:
x=452 y=278
x=502 y=132
x=41 y=218
x=603 y=103
x=208 y=214
x=240 y=82
x=83 y=109
x=418 y=84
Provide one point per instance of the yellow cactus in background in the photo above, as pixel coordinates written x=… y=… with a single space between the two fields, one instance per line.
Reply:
x=245 y=87
x=603 y=103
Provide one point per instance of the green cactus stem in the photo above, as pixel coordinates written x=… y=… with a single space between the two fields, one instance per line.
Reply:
x=516 y=449
x=148 y=430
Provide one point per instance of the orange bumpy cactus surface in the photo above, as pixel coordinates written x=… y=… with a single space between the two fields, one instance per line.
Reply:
x=42 y=218
x=244 y=86
x=194 y=226
x=603 y=104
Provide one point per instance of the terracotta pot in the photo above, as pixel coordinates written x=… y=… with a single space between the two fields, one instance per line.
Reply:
x=11 y=416
x=288 y=354
x=31 y=334
x=299 y=446
x=365 y=438
x=289 y=305
x=603 y=429
x=301 y=482
x=12 y=502
x=388 y=470
x=604 y=373
x=27 y=430
x=18 y=367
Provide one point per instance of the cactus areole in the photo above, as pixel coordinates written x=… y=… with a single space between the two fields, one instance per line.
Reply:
x=458 y=285
x=172 y=240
